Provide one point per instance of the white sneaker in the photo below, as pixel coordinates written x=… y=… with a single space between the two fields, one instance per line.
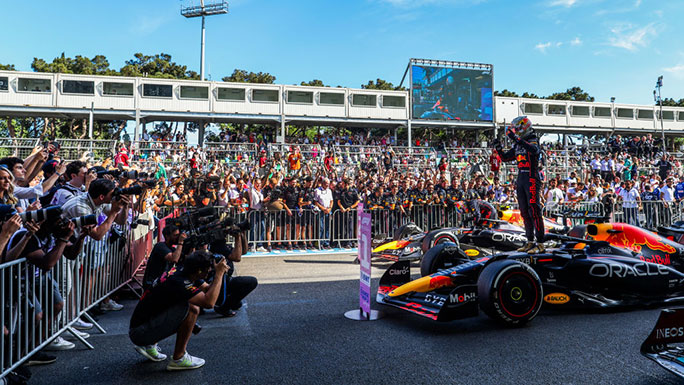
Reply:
x=82 y=325
x=261 y=249
x=185 y=363
x=59 y=343
x=110 y=306
x=81 y=334
x=151 y=352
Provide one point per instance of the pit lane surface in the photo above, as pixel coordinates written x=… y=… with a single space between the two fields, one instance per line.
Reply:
x=293 y=332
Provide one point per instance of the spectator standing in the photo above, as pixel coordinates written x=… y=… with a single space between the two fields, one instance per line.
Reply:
x=324 y=202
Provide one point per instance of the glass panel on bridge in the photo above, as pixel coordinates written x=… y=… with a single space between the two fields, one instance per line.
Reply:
x=4 y=83
x=579 y=110
x=364 y=100
x=534 y=108
x=556 y=109
x=265 y=95
x=35 y=85
x=158 y=90
x=667 y=115
x=231 y=94
x=113 y=88
x=681 y=116
x=194 y=92
x=645 y=114
x=602 y=112
x=625 y=113
x=393 y=101
x=305 y=97
x=78 y=87
x=333 y=98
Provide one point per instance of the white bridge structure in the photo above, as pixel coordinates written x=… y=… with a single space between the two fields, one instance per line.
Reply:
x=153 y=99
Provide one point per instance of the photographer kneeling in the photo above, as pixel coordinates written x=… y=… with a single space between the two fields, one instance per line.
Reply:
x=234 y=288
x=172 y=305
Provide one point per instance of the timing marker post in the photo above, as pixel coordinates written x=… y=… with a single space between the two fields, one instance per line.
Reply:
x=364 y=312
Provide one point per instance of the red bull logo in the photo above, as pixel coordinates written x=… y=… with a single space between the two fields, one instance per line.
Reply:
x=632 y=238
x=439 y=281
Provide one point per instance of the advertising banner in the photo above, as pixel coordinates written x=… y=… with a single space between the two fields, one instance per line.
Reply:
x=364 y=227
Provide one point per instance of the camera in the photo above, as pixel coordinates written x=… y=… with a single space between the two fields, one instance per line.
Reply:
x=150 y=183
x=86 y=220
x=137 y=222
x=189 y=220
x=131 y=174
x=133 y=190
x=49 y=213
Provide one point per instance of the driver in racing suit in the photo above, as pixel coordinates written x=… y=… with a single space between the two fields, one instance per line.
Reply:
x=480 y=211
x=527 y=153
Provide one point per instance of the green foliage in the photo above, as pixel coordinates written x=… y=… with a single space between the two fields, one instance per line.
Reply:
x=242 y=76
x=506 y=93
x=157 y=66
x=381 y=84
x=98 y=65
x=669 y=102
x=7 y=67
x=530 y=96
x=314 y=83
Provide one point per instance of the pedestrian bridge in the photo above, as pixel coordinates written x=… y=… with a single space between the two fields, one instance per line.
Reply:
x=153 y=99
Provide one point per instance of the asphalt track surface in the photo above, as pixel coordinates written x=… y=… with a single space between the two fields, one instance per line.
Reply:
x=293 y=331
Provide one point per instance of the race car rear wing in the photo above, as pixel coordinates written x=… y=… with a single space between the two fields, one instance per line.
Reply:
x=659 y=346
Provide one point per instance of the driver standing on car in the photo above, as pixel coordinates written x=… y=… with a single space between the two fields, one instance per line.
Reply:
x=527 y=153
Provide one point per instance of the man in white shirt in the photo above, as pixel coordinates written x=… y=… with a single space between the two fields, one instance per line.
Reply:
x=596 y=165
x=667 y=194
x=630 y=203
x=554 y=197
x=323 y=200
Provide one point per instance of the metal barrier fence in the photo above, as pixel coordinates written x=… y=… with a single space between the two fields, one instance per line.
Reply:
x=310 y=152
x=39 y=304
x=19 y=147
x=73 y=149
x=647 y=214
x=231 y=152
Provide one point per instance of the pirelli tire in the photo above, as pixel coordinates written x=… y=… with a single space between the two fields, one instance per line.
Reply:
x=509 y=292
x=442 y=256
x=438 y=237
x=405 y=231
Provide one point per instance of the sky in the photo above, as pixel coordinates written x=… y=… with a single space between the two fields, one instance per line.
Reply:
x=607 y=47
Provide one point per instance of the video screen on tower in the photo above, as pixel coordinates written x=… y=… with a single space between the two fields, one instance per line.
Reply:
x=459 y=94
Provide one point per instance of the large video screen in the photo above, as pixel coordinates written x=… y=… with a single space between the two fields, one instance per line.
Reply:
x=440 y=93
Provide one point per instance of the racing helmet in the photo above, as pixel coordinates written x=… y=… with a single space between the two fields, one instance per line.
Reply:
x=522 y=126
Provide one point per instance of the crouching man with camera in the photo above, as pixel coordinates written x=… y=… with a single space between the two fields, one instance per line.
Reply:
x=235 y=289
x=172 y=306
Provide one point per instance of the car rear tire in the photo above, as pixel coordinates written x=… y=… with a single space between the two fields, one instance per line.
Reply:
x=509 y=292
x=440 y=257
x=436 y=238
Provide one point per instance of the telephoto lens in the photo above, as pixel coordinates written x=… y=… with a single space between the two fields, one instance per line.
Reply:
x=133 y=190
x=86 y=220
x=47 y=214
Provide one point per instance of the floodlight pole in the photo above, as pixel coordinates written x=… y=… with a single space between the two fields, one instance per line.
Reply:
x=659 y=100
x=216 y=8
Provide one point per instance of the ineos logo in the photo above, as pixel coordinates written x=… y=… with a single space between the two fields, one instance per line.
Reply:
x=670 y=332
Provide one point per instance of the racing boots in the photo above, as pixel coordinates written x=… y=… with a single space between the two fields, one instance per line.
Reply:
x=537 y=249
x=527 y=247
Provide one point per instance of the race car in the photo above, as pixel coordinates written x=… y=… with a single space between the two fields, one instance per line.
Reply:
x=514 y=217
x=510 y=287
x=410 y=243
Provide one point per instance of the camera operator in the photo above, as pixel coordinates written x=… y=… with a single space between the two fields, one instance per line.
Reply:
x=78 y=181
x=172 y=306
x=234 y=288
x=164 y=255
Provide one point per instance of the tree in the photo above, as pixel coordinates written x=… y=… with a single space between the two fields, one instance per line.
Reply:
x=506 y=93
x=530 y=95
x=574 y=93
x=381 y=84
x=7 y=67
x=314 y=83
x=157 y=66
x=242 y=76
x=669 y=102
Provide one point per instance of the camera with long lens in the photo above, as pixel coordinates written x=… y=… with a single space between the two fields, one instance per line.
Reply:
x=149 y=183
x=133 y=190
x=194 y=218
x=130 y=174
x=137 y=222
x=86 y=220
x=51 y=213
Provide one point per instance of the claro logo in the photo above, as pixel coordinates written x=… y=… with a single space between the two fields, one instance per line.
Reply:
x=403 y=271
x=557 y=298
x=670 y=332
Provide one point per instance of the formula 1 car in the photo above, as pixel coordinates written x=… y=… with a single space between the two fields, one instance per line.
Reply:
x=510 y=287
x=411 y=243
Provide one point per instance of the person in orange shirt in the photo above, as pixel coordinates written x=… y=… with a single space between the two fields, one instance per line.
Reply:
x=295 y=160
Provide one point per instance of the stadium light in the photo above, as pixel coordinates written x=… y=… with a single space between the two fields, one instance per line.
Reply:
x=203 y=10
x=659 y=100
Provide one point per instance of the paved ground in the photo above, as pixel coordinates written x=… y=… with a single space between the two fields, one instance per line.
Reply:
x=293 y=332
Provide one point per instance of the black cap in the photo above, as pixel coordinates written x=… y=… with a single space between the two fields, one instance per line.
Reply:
x=50 y=166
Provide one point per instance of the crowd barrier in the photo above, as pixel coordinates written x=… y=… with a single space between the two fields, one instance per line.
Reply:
x=39 y=305
x=73 y=149
x=231 y=152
